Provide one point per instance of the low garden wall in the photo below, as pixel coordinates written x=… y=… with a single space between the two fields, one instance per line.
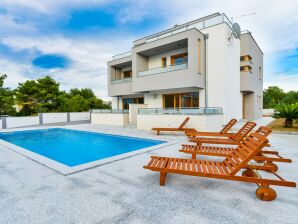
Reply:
x=43 y=118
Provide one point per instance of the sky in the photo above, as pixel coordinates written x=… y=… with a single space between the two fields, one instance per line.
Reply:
x=72 y=40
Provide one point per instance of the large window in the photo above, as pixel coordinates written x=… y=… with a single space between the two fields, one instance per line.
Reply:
x=127 y=101
x=181 y=100
x=179 y=59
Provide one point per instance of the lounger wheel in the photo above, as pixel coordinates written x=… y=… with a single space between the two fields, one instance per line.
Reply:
x=249 y=173
x=265 y=193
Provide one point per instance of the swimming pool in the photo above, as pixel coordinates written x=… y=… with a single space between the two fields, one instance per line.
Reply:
x=72 y=147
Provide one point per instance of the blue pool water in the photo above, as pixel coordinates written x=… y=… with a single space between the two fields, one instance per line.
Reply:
x=72 y=147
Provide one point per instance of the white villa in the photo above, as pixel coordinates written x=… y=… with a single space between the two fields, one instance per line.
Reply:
x=196 y=69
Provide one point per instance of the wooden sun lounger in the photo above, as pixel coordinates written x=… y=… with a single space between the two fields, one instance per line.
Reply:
x=223 y=132
x=265 y=156
x=180 y=128
x=231 y=140
x=227 y=169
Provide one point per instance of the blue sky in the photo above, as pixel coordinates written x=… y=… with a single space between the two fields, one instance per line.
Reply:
x=73 y=40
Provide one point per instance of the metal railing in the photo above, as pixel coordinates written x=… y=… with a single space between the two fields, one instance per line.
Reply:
x=118 y=81
x=109 y=111
x=122 y=55
x=181 y=111
x=168 y=68
x=199 y=24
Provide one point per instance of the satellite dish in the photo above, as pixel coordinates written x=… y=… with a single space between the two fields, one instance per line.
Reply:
x=236 y=31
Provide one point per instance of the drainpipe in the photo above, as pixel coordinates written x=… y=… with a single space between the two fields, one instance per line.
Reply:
x=206 y=36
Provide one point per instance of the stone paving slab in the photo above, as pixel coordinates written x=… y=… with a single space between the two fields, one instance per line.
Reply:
x=124 y=192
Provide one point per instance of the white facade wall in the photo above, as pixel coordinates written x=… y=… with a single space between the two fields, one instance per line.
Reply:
x=133 y=112
x=223 y=69
x=200 y=122
x=14 y=122
x=110 y=119
x=155 y=60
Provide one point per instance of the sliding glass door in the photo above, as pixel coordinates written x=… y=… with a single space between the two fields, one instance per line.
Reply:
x=181 y=100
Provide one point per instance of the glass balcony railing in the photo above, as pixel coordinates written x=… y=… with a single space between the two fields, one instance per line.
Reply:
x=118 y=81
x=109 y=111
x=169 y=68
x=181 y=111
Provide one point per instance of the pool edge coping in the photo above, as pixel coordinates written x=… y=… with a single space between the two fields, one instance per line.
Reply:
x=67 y=170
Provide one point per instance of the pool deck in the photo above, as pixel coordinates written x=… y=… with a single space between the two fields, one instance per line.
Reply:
x=123 y=192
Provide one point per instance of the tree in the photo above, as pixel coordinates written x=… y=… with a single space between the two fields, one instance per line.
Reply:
x=6 y=98
x=287 y=111
x=25 y=97
x=38 y=96
x=291 y=97
x=47 y=94
x=273 y=96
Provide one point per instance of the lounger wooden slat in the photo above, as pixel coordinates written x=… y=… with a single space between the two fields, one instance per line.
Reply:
x=180 y=128
x=224 y=151
x=226 y=169
x=223 y=132
x=233 y=140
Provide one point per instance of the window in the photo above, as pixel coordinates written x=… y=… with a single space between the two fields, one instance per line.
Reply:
x=179 y=59
x=181 y=100
x=127 y=101
x=245 y=68
x=127 y=74
x=164 y=62
x=245 y=58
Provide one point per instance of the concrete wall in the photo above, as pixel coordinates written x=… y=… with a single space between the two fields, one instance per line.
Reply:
x=109 y=119
x=14 y=122
x=252 y=82
x=133 y=112
x=79 y=116
x=200 y=122
x=268 y=112
x=223 y=68
x=49 y=118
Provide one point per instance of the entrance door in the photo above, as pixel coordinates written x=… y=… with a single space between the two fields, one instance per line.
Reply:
x=244 y=96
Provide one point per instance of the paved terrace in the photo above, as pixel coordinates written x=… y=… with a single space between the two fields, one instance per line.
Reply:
x=124 y=192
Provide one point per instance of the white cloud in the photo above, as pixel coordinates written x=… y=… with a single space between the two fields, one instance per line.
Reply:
x=284 y=81
x=88 y=60
x=274 y=27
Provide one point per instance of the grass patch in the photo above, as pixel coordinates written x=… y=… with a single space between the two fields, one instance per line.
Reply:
x=278 y=125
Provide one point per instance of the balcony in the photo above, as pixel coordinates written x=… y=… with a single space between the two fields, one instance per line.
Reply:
x=119 y=81
x=159 y=70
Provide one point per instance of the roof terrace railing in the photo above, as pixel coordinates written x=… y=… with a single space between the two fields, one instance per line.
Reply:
x=181 y=111
x=199 y=24
x=122 y=55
